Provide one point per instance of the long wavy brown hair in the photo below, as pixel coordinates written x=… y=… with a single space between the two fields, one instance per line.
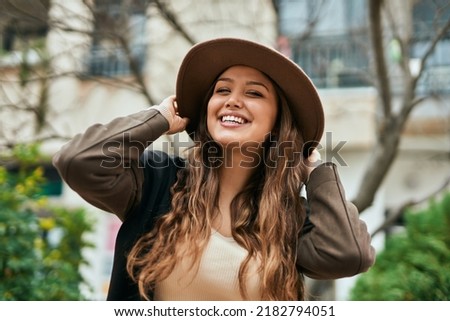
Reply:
x=267 y=215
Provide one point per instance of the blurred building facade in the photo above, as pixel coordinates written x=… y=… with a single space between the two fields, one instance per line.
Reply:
x=91 y=79
x=330 y=40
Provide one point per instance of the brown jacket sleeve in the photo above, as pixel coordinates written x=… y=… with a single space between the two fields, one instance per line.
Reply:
x=339 y=244
x=102 y=164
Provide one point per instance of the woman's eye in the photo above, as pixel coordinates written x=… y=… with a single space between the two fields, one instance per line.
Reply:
x=254 y=93
x=222 y=90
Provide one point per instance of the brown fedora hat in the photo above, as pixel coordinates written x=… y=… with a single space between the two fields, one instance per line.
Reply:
x=205 y=61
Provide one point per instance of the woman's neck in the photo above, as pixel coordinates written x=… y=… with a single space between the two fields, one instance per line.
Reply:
x=233 y=181
x=235 y=172
x=233 y=177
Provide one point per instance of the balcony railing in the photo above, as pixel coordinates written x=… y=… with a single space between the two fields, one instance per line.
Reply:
x=343 y=61
x=435 y=80
x=334 y=61
x=436 y=75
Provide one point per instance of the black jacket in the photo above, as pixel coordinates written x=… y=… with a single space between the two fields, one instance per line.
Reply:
x=161 y=170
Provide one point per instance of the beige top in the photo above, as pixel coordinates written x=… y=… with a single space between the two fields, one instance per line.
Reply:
x=215 y=279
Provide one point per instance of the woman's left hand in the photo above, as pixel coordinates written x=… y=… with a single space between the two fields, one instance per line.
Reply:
x=313 y=161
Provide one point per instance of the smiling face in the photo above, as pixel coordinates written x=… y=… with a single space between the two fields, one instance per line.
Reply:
x=243 y=107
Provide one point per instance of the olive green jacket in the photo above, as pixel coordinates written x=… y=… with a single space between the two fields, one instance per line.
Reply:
x=109 y=166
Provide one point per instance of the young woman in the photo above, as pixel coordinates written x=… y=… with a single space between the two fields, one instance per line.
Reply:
x=225 y=222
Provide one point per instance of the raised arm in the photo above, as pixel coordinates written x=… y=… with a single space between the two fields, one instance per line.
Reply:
x=339 y=244
x=102 y=164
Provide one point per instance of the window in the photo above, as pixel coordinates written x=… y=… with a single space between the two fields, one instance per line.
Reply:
x=23 y=29
x=428 y=16
x=328 y=39
x=334 y=61
x=118 y=43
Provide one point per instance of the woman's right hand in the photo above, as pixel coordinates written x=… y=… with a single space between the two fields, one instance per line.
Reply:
x=169 y=109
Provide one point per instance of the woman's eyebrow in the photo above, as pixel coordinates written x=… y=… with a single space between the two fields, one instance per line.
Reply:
x=250 y=82
x=225 y=79
x=257 y=83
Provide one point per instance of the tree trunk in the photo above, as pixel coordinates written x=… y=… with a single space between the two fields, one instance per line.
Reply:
x=382 y=157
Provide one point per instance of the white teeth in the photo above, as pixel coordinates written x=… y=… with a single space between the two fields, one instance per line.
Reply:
x=233 y=119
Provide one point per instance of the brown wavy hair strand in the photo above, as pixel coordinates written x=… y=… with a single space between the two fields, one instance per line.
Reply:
x=267 y=215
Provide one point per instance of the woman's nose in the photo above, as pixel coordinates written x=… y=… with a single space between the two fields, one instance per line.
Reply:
x=233 y=102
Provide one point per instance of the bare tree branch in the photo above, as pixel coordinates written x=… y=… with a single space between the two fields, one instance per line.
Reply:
x=115 y=34
x=402 y=41
x=432 y=45
x=36 y=11
x=136 y=71
x=395 y=214
x=313 y=20
x=379 y=164
x=376 y=34
x=172 y=19
x=386 y=147
x=276 y=9
x=410 y=89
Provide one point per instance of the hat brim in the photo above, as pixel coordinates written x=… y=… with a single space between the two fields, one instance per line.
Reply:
x=207 y=60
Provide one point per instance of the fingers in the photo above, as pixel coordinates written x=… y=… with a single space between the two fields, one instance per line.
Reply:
x=315 y=157
x=177 y=123
x=175 y=107
x=180 y=124
x=313 y=161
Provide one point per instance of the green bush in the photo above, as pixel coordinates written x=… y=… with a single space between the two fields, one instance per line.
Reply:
x=415 y=265
x=40 y=245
